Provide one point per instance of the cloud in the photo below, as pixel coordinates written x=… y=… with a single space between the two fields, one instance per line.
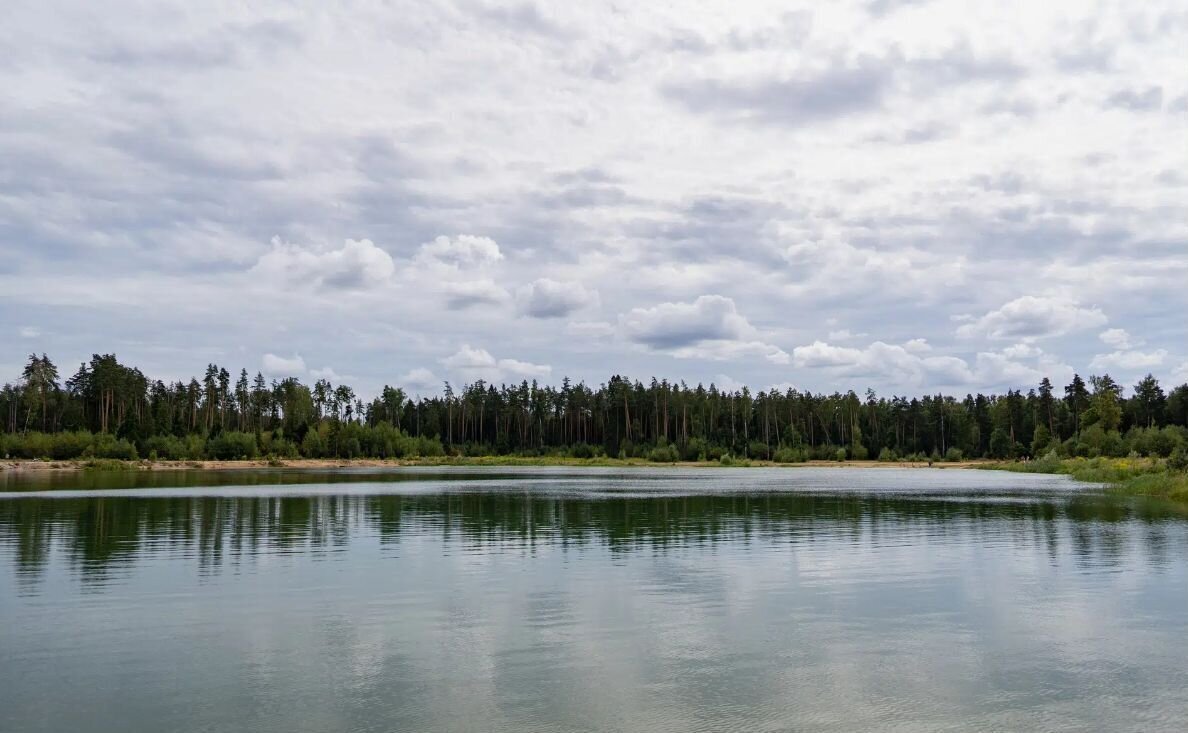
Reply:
x=797 y=100
x=1030 y=317
x=529 y=149
x=358 y=264
x=29 y=332
x=280 y=366
x=464 y=250
x=907 y=364
x=1137 y=100
x=326 y=373
x=470 y=293
x=232 y=44
x=883 y=7
x=1021 y=351
x=546 y=298
x=709 y=327
x=474 y=363
x=727 y=384
x=670 y=325
x=884 y=362
x=730 y=385
x=822 y=354
x=522 y=17
x=1129 y=360
x=828 y=266
x=843 y=335
x=590 y=329
x=727 y=350
x=841 y=88
x=419 y=380
x=1117 y=338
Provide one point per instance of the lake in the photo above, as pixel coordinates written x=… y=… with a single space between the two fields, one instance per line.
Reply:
x=800 y=599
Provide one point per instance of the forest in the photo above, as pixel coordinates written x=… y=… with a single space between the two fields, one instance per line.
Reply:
x=107 y=409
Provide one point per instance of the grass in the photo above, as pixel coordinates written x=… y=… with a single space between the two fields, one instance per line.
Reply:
x=1125 y=476
x=108 y=464
x=534 y=461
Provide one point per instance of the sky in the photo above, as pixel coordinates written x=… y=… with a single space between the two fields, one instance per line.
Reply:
x=908 y=195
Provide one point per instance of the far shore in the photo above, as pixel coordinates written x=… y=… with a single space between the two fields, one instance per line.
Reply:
x=21 y=465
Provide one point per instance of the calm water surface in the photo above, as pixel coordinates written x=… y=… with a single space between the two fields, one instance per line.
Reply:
x=588 y=600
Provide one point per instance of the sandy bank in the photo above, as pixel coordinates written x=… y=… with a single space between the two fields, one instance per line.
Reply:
x=328 y=463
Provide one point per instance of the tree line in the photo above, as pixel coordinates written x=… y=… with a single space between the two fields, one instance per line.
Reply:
x=109 y=409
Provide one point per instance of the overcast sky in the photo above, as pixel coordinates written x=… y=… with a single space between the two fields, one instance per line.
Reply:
x=905 y=195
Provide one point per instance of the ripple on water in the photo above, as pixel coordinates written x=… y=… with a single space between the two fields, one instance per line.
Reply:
x=658 y=600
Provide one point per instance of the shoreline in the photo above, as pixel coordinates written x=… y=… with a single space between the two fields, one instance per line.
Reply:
x=1123 y=477
x=1137 y=477
x=35 y=465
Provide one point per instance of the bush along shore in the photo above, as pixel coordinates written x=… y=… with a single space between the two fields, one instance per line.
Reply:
x=155 y=463
x=1133 y=475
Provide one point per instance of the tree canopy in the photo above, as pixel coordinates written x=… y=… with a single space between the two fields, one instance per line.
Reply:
x=662 y=419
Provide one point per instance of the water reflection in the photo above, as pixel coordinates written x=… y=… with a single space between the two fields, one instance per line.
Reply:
x=98 y=534
x=557 y=601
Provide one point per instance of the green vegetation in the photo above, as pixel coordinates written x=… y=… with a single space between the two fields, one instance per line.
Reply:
x=108 y=410
x=1164 y=478
x=108 y=464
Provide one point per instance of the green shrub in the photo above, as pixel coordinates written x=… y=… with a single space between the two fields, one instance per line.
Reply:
x=886 y=455
x=1165 y=442
x=840 y=455
x=696 y=449
x=663 y=454
x=315 y=445
x=29 y=445
x=1049 y=463
x=108 y=464
x=106 y=445
x=858 y=452
x=1178 y=460
x=167 y=447
x=824 y=452
x=429 y=447
x=64 y=446
x=789 y=455
x=282 y=448
x=230 y=445
x=953 y=455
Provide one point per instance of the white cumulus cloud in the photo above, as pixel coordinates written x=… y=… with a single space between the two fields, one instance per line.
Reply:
x=1032 y=317
x=467 y=293
x=281 y=366
x=905 y=364
x=464 y=250
x=419 y=380
x=1117 y=338
x=547 y=298
x=477 y=363
x=358 y=264
x=709 y=327
x=1129 y=360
